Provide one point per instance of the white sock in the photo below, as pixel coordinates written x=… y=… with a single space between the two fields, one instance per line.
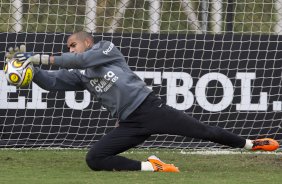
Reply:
x=146 y=166
x=249 y=144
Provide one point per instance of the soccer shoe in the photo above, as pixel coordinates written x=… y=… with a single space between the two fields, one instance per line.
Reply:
x=160 y=166
x=265 y=144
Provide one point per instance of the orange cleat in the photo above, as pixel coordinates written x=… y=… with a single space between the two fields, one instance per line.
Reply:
x=160 y=166
x=265 y=144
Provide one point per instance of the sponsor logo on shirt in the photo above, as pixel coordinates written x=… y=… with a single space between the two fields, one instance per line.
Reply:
x=111 y=46
x=104 y=84
x=81 y=71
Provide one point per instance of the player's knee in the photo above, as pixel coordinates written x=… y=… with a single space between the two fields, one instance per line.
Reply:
x=93 y=161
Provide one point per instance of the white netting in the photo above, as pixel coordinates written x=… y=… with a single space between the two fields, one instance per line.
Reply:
x=218 y=60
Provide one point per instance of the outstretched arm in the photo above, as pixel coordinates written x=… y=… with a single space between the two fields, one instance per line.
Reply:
x=59 y=80
x=101 y=53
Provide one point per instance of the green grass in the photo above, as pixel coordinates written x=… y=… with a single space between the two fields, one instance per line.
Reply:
x=68 y=166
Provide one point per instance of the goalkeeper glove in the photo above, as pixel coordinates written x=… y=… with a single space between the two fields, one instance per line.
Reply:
x=12 y=51
x=37 y=59
x=22 y=55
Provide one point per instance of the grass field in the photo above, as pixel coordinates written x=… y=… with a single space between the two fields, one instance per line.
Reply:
x=68 y=166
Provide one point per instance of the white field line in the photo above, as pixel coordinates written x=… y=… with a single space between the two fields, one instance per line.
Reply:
x=205 y=152
x=156 y=151
x=226 y=152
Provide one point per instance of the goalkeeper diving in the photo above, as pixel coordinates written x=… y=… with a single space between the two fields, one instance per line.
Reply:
x=101 y=69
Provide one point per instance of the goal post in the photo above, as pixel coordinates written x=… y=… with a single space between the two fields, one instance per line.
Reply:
x=221 y=67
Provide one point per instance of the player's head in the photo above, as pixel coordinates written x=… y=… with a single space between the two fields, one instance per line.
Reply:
x=80 y=41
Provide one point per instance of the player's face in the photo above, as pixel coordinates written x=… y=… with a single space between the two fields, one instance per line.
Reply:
x=76 y=45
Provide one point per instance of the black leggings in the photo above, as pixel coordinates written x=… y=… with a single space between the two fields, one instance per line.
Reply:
x=151 y=117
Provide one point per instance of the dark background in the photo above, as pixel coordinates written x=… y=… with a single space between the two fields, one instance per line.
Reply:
x=197 y=55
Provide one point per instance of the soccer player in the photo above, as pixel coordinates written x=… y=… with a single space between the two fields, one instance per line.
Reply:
x=102 y=70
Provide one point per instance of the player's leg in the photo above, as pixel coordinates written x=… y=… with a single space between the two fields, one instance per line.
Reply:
x=176 y=122
x=103 y=154
x=160 y=118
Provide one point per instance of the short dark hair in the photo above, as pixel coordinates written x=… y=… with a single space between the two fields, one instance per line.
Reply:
x=83 y=35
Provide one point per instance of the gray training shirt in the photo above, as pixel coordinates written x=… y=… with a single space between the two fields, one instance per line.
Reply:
x=103 y=71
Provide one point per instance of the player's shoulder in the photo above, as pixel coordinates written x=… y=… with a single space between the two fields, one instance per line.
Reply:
x=106 y=47
x=102 y=43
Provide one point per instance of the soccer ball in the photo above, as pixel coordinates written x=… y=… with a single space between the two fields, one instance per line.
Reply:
x=18 y=73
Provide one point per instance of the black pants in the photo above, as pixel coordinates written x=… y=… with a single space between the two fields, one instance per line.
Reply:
x=151 y=117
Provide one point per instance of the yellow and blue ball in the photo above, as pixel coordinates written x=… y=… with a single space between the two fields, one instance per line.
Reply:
x=18 y=73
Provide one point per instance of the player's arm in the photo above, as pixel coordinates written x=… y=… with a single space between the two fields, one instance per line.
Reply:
x=58 y=80
x=101 y=53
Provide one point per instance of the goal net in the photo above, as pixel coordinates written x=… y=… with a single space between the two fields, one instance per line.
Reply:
x=218 y=60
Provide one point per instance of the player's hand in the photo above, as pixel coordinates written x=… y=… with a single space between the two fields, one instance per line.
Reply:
x=37 y=59
x=23 y=56
x=12 y=51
